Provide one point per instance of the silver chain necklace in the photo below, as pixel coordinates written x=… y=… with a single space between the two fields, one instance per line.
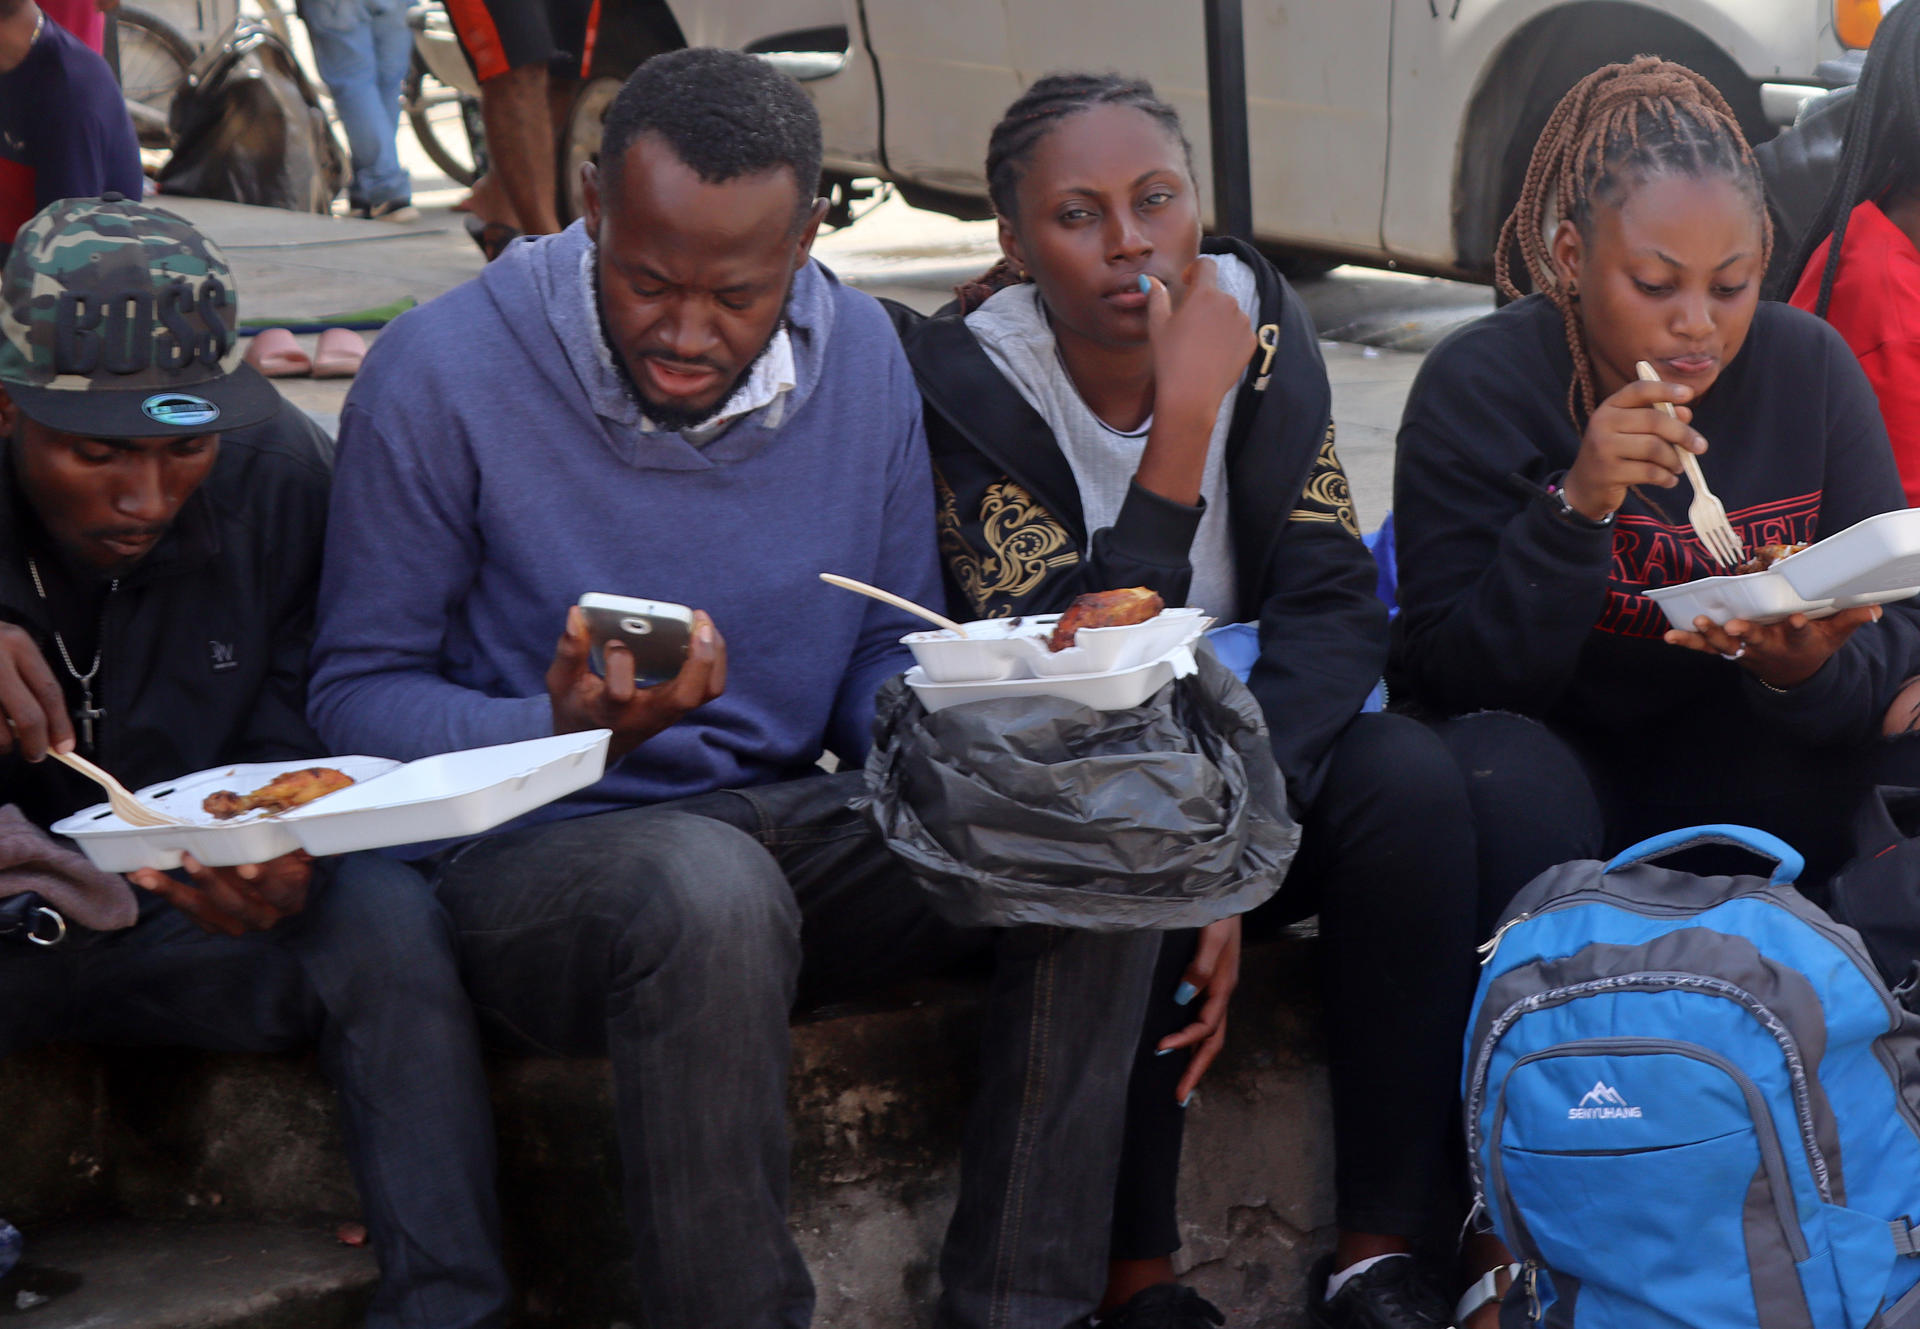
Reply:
x=88 y=712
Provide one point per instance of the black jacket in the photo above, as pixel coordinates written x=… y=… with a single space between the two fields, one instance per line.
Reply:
x=1013 y=537
x=1507 y=605
x=204 y=645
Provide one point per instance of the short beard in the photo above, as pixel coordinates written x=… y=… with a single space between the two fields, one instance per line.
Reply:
x=675 y=419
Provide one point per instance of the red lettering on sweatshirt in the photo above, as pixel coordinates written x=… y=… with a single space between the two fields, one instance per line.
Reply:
x=1650 y=552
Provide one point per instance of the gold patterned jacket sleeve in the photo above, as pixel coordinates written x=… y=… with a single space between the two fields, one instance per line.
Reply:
x=1006 y=553
x=1327 y=497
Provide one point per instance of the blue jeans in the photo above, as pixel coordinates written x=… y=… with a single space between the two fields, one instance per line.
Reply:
x=363 y=48
x=676 y=938
x=368 y=972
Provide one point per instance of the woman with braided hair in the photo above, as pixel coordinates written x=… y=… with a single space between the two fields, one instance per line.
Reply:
x=1119 y=404
x=1538 y=497
x=1859 y=264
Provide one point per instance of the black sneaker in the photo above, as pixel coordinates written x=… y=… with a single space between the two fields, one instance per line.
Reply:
x=1393 y=1294
x=1165 y=1306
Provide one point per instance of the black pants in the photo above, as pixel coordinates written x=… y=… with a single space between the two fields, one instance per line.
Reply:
x=1542 y=796
x=368 y=972
x=1387 y=860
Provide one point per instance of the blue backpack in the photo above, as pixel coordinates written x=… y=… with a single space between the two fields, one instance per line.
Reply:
x=1691 y=1103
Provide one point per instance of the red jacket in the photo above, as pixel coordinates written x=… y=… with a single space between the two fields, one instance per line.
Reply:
x=1876 y=307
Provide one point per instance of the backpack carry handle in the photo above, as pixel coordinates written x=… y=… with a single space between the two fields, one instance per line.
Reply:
x=1787 y=859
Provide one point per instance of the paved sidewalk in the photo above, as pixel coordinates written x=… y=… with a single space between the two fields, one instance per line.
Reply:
x=298 y=266
x=295 y=266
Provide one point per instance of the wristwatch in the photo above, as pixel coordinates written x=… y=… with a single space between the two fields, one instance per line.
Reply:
x=1572 y=515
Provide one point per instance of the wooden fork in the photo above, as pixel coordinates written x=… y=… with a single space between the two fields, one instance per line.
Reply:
x=897 y=601
x=125 y=806
x=1706 y=514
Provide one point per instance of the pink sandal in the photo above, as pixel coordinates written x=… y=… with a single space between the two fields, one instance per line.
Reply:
x=339 y=353
x=276 y=354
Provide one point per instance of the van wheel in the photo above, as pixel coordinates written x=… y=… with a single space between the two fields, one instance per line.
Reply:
x=1539 y=64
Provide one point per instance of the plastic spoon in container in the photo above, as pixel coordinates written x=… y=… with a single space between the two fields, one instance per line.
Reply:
x=125 y=806
x=888 y=597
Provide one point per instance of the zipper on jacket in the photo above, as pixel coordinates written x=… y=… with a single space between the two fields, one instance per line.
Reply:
x=109 y=679
x=1650 y=982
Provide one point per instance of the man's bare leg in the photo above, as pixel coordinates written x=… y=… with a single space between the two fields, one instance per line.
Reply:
x=520 y=144
x=561 y=90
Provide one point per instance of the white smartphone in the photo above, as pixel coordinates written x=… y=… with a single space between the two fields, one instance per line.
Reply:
x=658 y=634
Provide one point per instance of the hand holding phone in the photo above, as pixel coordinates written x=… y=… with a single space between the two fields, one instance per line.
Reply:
x=632 y=701
x=656 y=633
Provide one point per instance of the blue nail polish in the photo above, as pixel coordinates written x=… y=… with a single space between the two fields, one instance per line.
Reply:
x=1146 y=286
x=1185 y=993
x=1188 y=1099
x=1164 y=1051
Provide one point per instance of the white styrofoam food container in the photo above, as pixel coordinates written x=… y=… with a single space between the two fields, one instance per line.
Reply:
x=993 y=648
x=1114 y=691
x=1758 y=597
x=445 y=797
x=1017 y=648
x=1871 y=562
x=116 y=846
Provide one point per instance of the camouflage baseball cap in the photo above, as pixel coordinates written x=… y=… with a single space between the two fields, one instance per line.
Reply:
x=118 y=320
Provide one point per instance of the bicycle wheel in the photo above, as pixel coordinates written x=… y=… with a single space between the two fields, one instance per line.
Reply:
x=154 y=59
x=445 y=121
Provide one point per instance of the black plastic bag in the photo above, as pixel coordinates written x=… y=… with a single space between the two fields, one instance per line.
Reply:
x=1878 y=892
x=1036 y=810
x=248 y=128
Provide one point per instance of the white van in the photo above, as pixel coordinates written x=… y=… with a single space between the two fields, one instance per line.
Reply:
x=1383 y=131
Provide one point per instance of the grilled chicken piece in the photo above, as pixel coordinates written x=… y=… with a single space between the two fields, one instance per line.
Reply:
x=1765 y=557
x=290 y=789
x=1105 y=609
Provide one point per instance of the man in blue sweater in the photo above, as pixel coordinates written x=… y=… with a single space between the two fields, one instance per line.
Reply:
x=674 y=401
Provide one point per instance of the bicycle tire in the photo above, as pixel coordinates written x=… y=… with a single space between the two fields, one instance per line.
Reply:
x=412 y=98
x=168 y=50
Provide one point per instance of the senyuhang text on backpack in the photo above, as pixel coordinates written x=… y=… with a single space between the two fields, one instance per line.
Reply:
x=1691 y=1103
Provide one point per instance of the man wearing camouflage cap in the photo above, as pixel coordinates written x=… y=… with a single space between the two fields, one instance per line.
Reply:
x=159 y=553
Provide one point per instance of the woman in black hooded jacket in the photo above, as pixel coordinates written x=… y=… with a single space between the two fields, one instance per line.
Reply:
x=1118 y=405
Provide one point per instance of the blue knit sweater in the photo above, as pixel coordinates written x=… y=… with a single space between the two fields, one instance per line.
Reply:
x=492 y=468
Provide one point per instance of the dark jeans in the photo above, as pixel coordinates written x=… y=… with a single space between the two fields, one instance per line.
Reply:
x=1542 y=797
x=368 y=970
x=675 y=939
x=1387 y=861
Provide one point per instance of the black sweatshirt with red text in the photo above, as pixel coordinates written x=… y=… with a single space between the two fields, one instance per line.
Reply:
x=1505 y=604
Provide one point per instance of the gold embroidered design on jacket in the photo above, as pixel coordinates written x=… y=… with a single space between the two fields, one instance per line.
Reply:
x=1326 y=496
x=1023 y=544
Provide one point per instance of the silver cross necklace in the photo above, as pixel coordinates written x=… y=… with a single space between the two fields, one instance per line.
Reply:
x=88 y=712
